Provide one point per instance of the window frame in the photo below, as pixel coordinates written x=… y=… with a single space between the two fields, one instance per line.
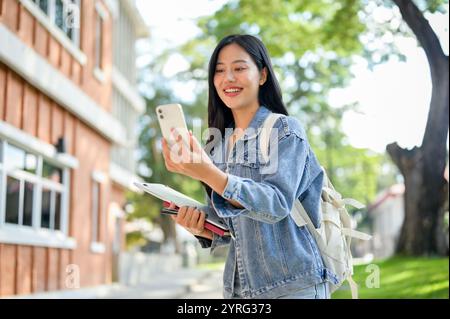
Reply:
x=98 y=221
x=47 y=20
x=54 y=188
x=101 y=17
x=34 y=235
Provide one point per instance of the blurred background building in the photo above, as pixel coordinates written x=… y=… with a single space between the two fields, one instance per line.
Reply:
x=387 y=214
x=68 y=112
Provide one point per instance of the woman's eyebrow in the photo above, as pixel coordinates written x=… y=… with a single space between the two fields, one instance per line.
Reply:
x=235 y=61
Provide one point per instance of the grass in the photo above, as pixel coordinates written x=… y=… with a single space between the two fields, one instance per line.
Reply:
x=400 y=278
x=213 y=265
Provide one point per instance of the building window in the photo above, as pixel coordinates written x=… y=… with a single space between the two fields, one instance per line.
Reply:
x=101 y=14
x=65 y=14
x=20 y=169
x=128 y=117
x=97 y=223
x=95 y=211
x=52 y=190
x=99 y=42
x=12 y=200
x=43 y=5
x=32 y=190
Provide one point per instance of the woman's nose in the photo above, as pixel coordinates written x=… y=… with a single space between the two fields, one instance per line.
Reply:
x=230 y=76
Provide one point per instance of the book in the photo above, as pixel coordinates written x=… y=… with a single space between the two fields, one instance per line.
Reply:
x=217 y=227
x=168 y=195
x=165 y=193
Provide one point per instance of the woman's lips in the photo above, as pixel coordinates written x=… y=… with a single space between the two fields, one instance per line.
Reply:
x=232 y=92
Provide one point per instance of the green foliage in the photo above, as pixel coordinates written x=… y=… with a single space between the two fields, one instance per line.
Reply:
x=291 y=26
x=134 y=238
x=432 y=5
x=402 y=278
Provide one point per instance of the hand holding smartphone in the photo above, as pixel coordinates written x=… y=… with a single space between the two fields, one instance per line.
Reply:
x=172 y=123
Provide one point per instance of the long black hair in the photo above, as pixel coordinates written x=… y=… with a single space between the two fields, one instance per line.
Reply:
x=219 y=115
x=269 y=95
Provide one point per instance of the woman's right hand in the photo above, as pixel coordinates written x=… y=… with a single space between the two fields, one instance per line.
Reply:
x=190 y=218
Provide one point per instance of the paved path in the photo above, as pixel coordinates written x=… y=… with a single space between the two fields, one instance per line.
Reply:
x=191 y=283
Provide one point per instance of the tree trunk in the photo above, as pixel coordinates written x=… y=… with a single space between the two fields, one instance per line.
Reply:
x=426 y=190
x=423 y=231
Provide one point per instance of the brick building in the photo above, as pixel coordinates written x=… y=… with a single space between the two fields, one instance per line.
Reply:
x=68 y=110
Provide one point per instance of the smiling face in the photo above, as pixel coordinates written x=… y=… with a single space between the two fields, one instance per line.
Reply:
x=237 y=78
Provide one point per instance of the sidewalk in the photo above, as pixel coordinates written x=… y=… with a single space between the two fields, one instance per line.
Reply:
x=181 y=284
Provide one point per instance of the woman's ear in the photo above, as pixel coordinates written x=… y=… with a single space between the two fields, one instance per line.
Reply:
x=263 y=76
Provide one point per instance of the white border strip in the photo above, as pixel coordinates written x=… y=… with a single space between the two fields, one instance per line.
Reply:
x=99 y=75
x=54 y=31
x=36 y=70
x=32 y=144
x=97 y=247
x=127 y=91
x=33 y=237
x=99 y=177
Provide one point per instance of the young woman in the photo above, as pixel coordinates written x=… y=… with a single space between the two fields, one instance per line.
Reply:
x=269 y=255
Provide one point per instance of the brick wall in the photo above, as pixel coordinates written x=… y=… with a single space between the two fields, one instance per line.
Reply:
x=27 y=269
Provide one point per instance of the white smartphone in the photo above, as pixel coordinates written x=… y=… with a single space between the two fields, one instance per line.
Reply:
x=170 y=116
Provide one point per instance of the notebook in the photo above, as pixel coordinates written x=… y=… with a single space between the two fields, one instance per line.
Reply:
x=167 y=194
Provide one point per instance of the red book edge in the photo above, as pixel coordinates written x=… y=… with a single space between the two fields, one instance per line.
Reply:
x=215 y=229
x=167 y=204
x=207 y=225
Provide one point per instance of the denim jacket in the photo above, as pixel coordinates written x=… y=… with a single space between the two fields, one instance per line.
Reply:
x=270 y=253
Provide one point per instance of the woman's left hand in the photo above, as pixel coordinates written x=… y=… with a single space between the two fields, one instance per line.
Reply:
x=190 y=160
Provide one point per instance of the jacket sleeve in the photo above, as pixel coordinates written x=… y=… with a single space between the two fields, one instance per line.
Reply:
x=217 y=240
x=271 y=199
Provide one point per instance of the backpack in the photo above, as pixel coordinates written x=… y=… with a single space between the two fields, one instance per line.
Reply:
x=334 y=235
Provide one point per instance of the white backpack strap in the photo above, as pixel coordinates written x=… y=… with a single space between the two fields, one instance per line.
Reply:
x=353 y=202
x=356 y=234
x=264 y=136
x=297 y=215
x=337 y=199
x=353 y=287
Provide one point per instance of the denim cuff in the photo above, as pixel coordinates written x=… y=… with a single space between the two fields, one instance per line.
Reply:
x=220 y=202
x=223 y=208
x=231 y=190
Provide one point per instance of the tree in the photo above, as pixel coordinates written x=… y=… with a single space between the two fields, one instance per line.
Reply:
x=426 y=192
